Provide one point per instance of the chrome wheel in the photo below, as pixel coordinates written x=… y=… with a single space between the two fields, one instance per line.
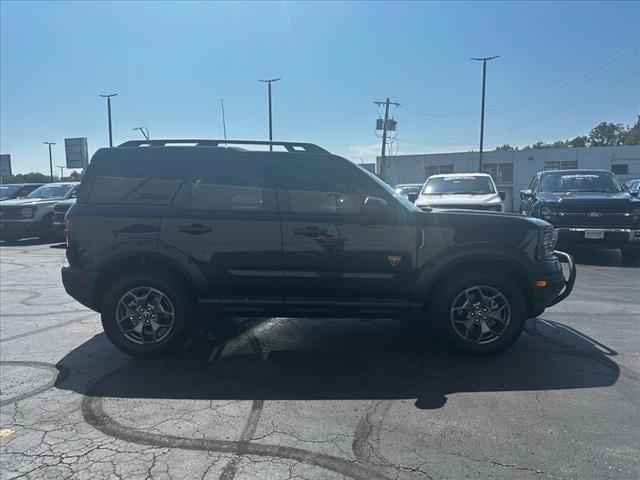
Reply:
x=145 y=315
x=480 y=314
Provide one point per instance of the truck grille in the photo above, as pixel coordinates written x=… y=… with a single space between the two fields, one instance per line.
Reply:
x=593 y=216
x=9 y=213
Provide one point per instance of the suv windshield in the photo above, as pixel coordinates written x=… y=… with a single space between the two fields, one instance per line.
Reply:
x=50 y=191
x=580 y=182
x=458 y=185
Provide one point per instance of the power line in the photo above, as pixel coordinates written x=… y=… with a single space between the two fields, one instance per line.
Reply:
x=600 y=92
x=510 y=103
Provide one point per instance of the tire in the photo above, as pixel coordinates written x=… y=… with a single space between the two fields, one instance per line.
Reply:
x=165 y=295
x=45 y=229
x=454 y=315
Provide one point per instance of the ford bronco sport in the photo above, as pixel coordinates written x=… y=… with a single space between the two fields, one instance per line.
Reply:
x=163 y=230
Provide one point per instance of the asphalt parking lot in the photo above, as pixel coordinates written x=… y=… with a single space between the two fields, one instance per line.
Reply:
x=318 y=399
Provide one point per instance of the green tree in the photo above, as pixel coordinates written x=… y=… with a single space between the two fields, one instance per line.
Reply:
x=579 y=141
x=632 y=135
x=505 y=148
x=606 y=134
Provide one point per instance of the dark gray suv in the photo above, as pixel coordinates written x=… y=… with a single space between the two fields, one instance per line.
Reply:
x=165 y=229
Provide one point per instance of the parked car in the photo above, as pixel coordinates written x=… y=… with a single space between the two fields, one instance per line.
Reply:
x=161 y=233
x=587 y=208
x=633 y=186
x=59 y=211
x=32 y=216
x=409 y=190
x=475 y=191
x=17 y=190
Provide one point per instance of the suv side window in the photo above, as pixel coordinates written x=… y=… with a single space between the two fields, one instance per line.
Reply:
x=138 y=180
x=231 y=185
x=325 y=188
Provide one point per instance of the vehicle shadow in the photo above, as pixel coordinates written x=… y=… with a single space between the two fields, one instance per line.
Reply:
x=601 y=258
x=330 y=360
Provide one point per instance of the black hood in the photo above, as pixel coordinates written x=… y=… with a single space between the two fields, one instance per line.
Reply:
x=587 y=198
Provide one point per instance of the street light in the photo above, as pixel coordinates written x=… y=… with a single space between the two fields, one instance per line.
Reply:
x=108 y=97
x=269 y=82
x=50 y=158
x=144 y=131
x=484 y=78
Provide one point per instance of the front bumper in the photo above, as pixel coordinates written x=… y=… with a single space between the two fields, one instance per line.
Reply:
x=554 y=287
x=79 y=285
x=14 y=229
x=611 y=237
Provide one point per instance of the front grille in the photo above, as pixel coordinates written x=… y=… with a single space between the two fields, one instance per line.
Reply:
x=603 y=218
x=9 y=213
x=465 y=207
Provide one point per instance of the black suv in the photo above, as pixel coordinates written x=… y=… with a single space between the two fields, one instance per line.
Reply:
x=162 y=231
x=587 y=208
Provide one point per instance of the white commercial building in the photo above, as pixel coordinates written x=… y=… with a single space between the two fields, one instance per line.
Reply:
x=512 y=171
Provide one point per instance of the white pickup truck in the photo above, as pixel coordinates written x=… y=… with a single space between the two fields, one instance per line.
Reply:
x=475 y=191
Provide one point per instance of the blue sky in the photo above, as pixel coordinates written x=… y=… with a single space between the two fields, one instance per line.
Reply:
x=563 y=68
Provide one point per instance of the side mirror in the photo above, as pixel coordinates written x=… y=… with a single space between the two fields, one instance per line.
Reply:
x=526 y=194
x=375 y=209
x=502 y=195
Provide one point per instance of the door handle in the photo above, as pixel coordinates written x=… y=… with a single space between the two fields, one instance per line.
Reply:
x=310 y=232
x=194 y=229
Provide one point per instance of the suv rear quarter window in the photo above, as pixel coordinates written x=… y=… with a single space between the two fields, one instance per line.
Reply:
x=137 y=179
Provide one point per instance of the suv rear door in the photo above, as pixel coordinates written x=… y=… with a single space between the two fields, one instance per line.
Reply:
x=225 y=221
x=333 y=260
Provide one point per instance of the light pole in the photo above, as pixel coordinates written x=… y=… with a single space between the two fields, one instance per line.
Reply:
x=269 y=82
x=50 y=158
x=61 y=167
x=144 y=131
x=484 y=78
x=108 y=97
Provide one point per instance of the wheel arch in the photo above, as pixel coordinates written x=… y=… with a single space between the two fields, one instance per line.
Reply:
x=507 y=265
x=131 y=262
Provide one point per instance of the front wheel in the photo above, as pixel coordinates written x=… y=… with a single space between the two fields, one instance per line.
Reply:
x=481 y=312
x=147 y=315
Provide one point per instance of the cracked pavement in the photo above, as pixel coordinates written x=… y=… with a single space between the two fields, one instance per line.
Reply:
x=318 y=399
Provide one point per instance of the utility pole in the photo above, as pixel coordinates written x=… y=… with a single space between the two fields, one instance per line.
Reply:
x=144 y=131
x=50 y=158
x=108 y=97
x=61 y=167
x=269 y=82
x=484 y=78
x=224 y=123
x=385 y=126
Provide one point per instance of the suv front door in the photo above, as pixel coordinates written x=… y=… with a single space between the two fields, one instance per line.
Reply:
x=334 y=260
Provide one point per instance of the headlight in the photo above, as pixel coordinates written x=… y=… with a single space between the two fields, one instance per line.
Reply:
x=548 y=213
x=547 y=243
x=27 y=212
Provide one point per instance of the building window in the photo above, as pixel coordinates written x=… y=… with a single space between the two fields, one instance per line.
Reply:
x=437 y=169
x=620 y=169
x=501 y=172
x=561 y=165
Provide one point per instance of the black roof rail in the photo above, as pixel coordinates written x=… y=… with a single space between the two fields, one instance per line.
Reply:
x=289 y=146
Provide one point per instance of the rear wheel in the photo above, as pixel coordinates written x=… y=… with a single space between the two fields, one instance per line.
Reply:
x=147 y=315
x=480 y=313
